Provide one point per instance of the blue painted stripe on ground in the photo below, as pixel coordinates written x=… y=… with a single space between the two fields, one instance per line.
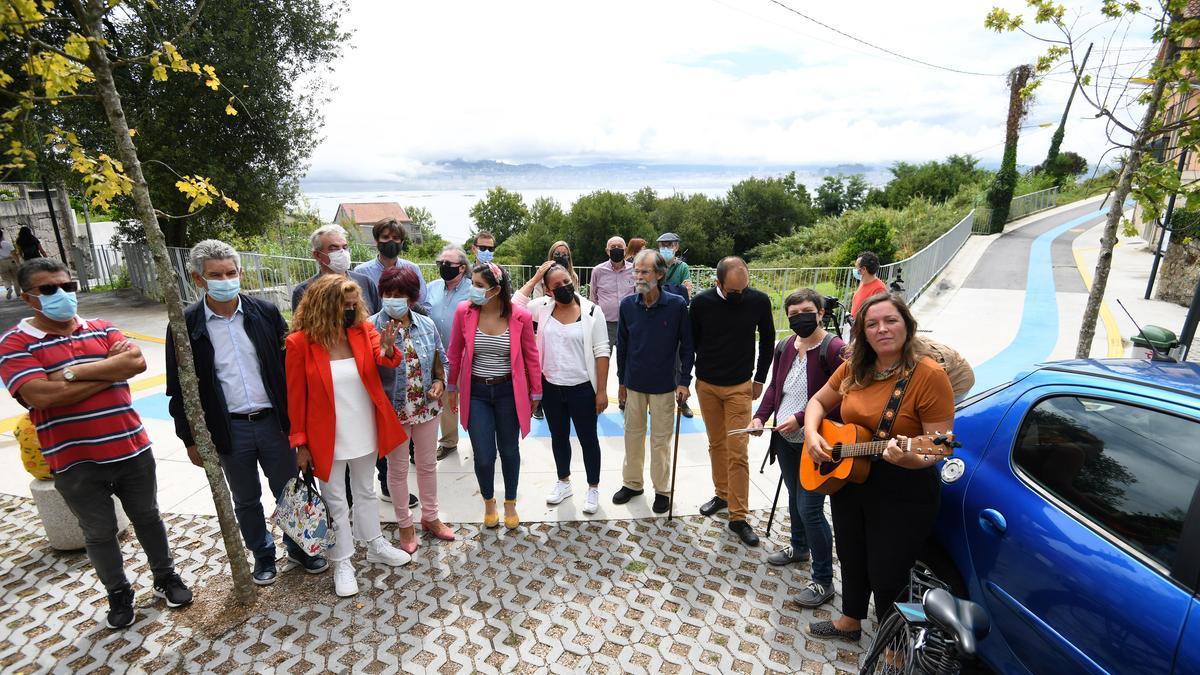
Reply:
x=610 y=424
x=1037 y=333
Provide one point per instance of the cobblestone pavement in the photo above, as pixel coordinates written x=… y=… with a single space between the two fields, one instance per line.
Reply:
x=613 y=596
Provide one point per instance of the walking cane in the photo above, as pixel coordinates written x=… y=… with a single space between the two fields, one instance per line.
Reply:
x=674 y=461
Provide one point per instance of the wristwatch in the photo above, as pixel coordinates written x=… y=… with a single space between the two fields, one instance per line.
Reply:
x=68 y=375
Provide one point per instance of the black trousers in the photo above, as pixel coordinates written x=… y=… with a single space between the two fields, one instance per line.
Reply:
x=880 y=527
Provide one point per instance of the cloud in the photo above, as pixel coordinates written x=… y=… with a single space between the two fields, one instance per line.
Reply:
x=677 y=81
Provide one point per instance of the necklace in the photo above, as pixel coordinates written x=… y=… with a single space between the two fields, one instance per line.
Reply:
x=880 y=375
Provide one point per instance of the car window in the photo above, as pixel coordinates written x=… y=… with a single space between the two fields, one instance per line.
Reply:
x=1130 y=471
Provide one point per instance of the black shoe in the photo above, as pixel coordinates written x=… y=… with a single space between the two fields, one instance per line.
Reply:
x=685 y=410
x=265 y=571
x=621 y=406
x=826 y=629
x=712 y=506
x=815 y=595
x=625 y=494
x=443 y=451
x=788 y=556
x=120 y=608
x=744 y=532
x=538 y=414
x=313 y=564
x=172 y=589
x=661 y=503
x=412 y=501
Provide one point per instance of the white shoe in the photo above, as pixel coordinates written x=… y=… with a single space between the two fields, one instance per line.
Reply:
x=382 y=552
x=561 y=491
x=344 y=583
x=591 y=503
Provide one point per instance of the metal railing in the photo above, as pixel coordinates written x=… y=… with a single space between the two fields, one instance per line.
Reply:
x=274 y=277
x=1020 y=207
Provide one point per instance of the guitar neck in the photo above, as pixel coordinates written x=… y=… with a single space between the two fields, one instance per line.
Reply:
x=868 y=449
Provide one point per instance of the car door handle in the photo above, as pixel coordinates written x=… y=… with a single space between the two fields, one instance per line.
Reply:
x=993 y=520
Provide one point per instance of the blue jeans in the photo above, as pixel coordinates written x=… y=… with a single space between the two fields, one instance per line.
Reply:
x=493 y=428
x=564 y=405
x=258 y=443
x=810 y=530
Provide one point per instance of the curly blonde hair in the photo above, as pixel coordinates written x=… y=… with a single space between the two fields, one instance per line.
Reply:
x=322 y=310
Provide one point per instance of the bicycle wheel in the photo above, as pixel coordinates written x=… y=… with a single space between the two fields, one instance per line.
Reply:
x=892 y=651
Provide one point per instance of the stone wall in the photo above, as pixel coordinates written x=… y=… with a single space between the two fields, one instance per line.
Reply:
x=30 y=208
x=1179 y=272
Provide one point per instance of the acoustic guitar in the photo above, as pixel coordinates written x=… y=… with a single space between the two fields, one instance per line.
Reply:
x=852 y=453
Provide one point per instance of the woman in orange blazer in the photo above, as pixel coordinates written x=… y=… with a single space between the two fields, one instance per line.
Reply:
x=341 y=420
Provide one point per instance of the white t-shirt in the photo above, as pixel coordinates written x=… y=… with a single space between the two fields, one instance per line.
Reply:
x=354 y=414
x=564 y=362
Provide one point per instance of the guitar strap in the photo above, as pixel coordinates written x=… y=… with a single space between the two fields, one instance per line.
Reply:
x=892 y=409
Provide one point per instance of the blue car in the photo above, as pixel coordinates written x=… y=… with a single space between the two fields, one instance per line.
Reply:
x=1072 y=514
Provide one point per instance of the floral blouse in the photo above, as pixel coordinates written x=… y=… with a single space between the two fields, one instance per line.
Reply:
x=408 y=384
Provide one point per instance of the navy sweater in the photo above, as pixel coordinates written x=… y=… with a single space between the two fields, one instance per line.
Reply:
x=648 y=340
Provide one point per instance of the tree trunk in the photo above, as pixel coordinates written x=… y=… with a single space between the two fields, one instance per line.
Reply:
x=1124 y=186
x=1001 y=193
x=111 y=100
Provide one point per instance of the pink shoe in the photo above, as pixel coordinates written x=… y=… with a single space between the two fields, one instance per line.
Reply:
x=438 y=529
x=407 y=544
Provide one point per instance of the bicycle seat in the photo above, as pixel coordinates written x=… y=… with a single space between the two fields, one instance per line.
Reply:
x=965 y=620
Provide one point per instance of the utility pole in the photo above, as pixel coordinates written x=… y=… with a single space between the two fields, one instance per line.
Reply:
x=54 y=221
x=1056 y=141
x=1166 y=226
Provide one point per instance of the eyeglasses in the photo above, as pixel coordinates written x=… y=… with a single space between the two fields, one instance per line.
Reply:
x=51 y=289
x=481 y=247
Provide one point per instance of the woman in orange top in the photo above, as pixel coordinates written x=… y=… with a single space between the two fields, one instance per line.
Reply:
x=882 y=523
x=341 y=420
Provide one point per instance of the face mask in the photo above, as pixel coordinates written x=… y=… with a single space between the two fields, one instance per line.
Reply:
x=560 y=259
x=349 y=317
x=803 y=324
x=60 y=306
x=857 y=274
x=395 y=307
x=388 y=249
x=667 y=253
x=563 y=295
x=642 y=287
x=339 y=261
x=734 y=297
x=224 y=290
x=449 y=271
x=616 y=254
x=479 y=296
x=484 y=256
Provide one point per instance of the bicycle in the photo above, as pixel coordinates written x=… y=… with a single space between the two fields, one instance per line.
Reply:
x=937 y=633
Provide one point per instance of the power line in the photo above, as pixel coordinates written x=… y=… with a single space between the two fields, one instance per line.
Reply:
x=882 y=49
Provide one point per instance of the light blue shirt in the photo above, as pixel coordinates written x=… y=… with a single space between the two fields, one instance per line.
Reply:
x=374 y=269
x=428 y=346
x=442 y=304
x=236 y=362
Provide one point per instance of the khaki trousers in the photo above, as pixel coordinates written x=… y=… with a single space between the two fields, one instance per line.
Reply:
x=725 y=409
x=449 y=423
x=662 y=412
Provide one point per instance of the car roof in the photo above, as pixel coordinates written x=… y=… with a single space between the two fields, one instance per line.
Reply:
x=1182 y=378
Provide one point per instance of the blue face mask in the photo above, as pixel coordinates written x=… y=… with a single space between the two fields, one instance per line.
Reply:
x=224 y=290
x=478 y=296
x=395 y=307
x=61 y=306
x=667 y=253
x=856 y=273
x=484 y=256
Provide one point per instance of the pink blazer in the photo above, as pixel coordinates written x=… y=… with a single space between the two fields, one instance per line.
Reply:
x=526 y=366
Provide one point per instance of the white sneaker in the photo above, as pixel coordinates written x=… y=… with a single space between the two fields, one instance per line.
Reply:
x=561 y=491
x=382 y=552
x=591 y=503
x=344 y=583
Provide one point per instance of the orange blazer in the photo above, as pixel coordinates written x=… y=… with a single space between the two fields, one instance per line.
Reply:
x=310 y=395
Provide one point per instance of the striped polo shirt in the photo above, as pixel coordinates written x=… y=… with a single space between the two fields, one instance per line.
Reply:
x=103 y=428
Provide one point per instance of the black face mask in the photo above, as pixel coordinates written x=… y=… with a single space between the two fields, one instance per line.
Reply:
x=734 y=297
x=449 y=271
x=803 y=324
x=561 y=259
x=349 y=317
x=388 y=249
x=616 y=254
x=564 y=295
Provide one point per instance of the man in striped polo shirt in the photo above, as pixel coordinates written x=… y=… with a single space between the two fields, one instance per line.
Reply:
x=72 y=374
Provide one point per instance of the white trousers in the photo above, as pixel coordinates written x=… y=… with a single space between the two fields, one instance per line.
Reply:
x=366 y=504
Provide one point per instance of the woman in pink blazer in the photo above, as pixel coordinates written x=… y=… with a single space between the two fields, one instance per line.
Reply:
x=495 y=368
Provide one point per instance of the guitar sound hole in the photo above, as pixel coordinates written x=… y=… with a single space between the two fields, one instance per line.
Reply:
x=827 y=468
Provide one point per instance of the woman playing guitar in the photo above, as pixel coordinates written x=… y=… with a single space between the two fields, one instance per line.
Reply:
x=882 y=523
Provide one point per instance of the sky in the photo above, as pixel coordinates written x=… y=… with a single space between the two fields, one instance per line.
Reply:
x=734 y=82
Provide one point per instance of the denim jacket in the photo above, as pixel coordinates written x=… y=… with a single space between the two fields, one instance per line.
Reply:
x=428 y=345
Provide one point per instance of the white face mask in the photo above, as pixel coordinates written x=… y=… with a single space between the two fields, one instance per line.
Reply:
x=339 y=261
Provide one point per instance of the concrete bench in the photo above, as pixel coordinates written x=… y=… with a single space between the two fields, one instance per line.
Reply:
x=62 y=528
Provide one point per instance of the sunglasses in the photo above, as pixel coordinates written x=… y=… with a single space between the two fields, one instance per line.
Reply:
x=481 y=247
x=51 y=289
